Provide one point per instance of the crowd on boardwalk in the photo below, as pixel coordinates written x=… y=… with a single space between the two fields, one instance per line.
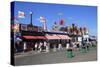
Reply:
x=45 y=46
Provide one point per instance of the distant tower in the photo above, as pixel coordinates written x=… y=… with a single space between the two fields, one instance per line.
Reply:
x=45 y=26
x=43 y=20
x=30 y=26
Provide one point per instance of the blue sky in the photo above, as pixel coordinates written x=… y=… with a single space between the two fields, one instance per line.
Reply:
x=80 y=15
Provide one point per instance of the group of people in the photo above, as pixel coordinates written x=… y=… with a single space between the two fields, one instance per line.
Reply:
x=29 y=46
x=77 y=45
x=40 y=47
x=44 y=46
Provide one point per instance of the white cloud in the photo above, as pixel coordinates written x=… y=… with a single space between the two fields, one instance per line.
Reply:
x=60 y=13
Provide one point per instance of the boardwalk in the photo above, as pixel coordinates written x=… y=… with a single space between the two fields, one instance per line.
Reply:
x=54 y=57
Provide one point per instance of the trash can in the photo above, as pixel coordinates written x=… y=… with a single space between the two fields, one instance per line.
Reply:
x=83 y=49
x=94 y=46
x=69 y=53
x=88 y=48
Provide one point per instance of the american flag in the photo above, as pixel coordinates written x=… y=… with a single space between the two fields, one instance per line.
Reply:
x=21 y=14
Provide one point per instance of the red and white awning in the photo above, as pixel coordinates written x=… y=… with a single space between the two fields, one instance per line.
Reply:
x=48 y=36
x=57 y=36
x=64 y=36
x=34 y=37
x=52 y=36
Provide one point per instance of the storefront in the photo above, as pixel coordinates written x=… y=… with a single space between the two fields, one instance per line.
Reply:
x=57 y=40
x=33 y=37
x=53 y=40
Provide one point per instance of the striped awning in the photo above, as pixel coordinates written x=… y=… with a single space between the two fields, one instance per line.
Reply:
x=64 y=36
x=34 y=37
x=52 y=36
x=48 y=36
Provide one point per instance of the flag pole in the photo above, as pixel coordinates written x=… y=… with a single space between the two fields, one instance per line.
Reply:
x=45 y=27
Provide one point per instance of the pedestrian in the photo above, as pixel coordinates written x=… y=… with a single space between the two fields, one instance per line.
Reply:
x=47 y=47
x=59 y=46
x=40 y=47
x=67 y=46
x=36 y=46
x=25 y=47
x=87 y=45
x=83 y=46
x=33 y=46
x=74 y=46
x=45 y=44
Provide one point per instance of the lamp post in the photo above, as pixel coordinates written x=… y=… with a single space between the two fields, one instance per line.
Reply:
x=31 y=18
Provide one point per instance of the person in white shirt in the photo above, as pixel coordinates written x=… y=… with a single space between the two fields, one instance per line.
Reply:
x=25 y=47
x=47 y=47
x=36 y=46
x=59 y=46
x=67 y=46
x=45 y=44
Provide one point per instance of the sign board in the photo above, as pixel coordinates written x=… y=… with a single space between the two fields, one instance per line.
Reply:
x=79 y=38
